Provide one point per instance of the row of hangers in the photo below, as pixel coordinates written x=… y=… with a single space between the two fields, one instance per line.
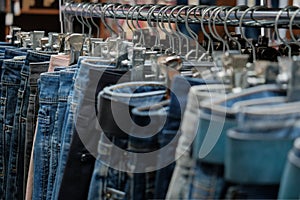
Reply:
x=162 y=17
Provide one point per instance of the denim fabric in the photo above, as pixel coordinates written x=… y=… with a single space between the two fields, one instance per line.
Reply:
x=10 y=83
x=83 y=148
x=216 y=117
x=144 y=139
x=171 y=132
x=223 y=117
x=11 y=53
x=107 y=182
x=32 y=111
x=48 y=99
x=65 y=138
x=181 y=183
x=259 y=146
x=291 y=177
x=19 y=129
x=85 y=85
x=66 y=80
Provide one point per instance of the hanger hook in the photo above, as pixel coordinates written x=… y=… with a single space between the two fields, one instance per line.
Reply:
x=92 y=9
x=127 y=18
x=160 y=12
x=183 y=7
x=170 y=34
x=224 y=41
x=175 y=32
x=122 y=34
x=76 y=15
x=287 y=8
x=291 y=27
x=150 y=16
x=234 y=9
x=86 y=19
x=103 y=11
x=210 y=41
x=243 y=34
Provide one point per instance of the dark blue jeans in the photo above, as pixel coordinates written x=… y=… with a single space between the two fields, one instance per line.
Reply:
x=10 y=83
x=144 y=139
x=48 y=100
x=19 y=129
x=109 y=178
x=83 y=149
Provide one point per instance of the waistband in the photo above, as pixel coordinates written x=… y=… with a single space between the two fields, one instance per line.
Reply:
x=225 y=105
x=33 y=56
x=11 y=71
x=11 y=53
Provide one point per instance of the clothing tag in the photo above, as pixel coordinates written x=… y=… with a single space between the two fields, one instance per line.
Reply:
x=9 y=19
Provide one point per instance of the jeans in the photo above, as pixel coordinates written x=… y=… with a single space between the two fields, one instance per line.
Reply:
x=171 y=132
x=10 y=83
x=181 y=184
x=290 y=180
x=48 y=100
x=144 y=139
x=260 y=144
x=216 y=117
x=109 y=179
x=86 y=80
x=66 y=80
x=32 y=111
x=17 y=182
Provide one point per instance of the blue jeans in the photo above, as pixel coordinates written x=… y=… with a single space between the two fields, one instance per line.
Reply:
x=83 y=148
x=66 y=80
x=85 y=80
x=19 y=129
x=32 y=111
x=209 y=146
x=171 y=132
x=107 y=182
x=181 y=184
x=290 y=180
x=48 y=100
x=142 y=140
x=10 y=83
x=260 y=144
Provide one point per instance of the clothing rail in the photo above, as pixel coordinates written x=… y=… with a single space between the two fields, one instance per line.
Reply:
x=254 y=16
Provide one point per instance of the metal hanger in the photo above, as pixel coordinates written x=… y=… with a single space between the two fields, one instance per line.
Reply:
x=287 y=8
x=210 y=40
x=224 y=41
x=122 y=33
x=175 y=33
x=151 y=16
x=77 y=14
x=103 y=12
x=169 y=33
x=160 y=12
x=193 y=35
x=234 y=9
x=127 y=18
x=86 y=22
x=91 y=10
x=184 y=36
x=291 y=27
x=243 y=34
